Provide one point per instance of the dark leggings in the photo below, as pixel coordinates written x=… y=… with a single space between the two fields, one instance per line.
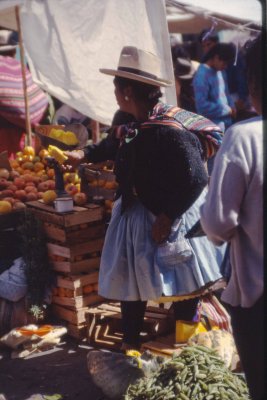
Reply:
x=248 y=330
x=133 y=313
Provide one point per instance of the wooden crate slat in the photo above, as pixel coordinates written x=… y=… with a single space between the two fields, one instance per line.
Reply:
x=75 y=317
x=75 y=249
x=77 y=302
x=60 y=234
x=77 y=281
x=77 y=331
x=151 y=312
x=79 y=215
x=161 y=348
x=109 y=307
x=108 y=315
x=76 y=266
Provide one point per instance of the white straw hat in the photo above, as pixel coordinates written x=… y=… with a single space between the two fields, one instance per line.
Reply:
x=138 y=65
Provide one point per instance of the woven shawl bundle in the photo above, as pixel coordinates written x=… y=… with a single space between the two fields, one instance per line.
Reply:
x=12 y=103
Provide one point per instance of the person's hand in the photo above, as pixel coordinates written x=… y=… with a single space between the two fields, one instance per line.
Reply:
x=75 y=157
x=161 y=228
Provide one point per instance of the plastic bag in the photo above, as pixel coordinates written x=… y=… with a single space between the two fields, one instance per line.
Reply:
x=176 y=249
x=13 y=284
x=184 y=330
x=212 y=313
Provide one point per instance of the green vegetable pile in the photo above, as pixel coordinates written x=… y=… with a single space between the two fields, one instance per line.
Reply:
x=196 y=374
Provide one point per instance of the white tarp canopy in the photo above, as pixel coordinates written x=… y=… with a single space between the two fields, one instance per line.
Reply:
x=192 y=16
x=67 y=42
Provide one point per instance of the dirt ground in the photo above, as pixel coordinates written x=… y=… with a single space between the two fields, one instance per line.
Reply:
x=62 y=370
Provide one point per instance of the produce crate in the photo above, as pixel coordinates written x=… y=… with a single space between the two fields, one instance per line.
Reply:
x=77 y=331
x=74 y=243
x=79 y=215
x=104 y=324
x=72 y=298
x=97 y=181
x=75 y=258
x=75 y=234
x=75 y=239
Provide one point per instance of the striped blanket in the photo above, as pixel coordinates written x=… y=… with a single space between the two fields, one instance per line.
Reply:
x=209 y=134
x=12 y=103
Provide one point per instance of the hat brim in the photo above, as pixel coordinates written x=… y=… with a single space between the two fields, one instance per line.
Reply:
x=136 y=77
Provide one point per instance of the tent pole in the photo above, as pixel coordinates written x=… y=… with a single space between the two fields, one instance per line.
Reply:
x=23 y=70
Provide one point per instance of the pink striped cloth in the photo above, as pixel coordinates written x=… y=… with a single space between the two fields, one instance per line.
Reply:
x=12 y=104
x=212 y=311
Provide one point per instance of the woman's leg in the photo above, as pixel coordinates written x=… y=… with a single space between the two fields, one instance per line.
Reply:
x=132 y=313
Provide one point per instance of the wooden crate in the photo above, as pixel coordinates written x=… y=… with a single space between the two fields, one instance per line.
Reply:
x=79 y=215
x=77 y=331
x=75 y=317
x=97 y=181
x=163 y=345
x=75 y=258
x=75 y=234
x=76 y=284
x=78 y=281
x=72 y=309
x=104 y=324
x=77 y=301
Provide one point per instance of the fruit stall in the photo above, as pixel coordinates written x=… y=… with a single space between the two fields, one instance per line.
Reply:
x=73 y=238
x=55 y=219
x=72 y=207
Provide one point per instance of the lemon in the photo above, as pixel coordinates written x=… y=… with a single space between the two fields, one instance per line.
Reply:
x=49 y=196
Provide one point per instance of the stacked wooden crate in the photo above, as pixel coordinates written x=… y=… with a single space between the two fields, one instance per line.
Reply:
x=74 y=242
x=104 y=324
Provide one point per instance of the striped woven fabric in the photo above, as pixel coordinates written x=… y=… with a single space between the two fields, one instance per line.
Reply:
x=12 y=103
x=209 y=134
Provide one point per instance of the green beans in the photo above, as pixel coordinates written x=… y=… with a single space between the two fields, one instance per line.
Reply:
x=196 y=374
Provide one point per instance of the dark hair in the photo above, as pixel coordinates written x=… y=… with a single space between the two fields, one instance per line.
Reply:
x=121 y=118
x=143 y=92
x=208 y=34
x=178 y=50
x=225 y=51
x=253 y=57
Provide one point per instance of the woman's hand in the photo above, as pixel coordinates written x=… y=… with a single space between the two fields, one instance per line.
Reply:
x=161 y=228
x=75 y=157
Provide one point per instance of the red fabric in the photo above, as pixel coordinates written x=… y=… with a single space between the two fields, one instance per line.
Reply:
x=10 y=137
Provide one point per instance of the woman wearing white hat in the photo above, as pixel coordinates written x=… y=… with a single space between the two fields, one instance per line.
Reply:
x=161 y=175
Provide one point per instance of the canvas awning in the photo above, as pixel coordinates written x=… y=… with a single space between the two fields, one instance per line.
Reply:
x=67 y=42
x=192 y=16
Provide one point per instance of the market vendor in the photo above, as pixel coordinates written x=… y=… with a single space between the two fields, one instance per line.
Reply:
x=159 y=166
x=12 y=103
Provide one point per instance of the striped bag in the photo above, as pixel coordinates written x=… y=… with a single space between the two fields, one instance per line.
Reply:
x=213 y=314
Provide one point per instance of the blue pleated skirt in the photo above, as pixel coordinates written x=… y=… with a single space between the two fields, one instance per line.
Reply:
x=131 y=268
